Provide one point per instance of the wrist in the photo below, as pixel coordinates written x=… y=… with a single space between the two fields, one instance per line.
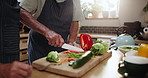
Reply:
x=47 y=33
x=71 y=42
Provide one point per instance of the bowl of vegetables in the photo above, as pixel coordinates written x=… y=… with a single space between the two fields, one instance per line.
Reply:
x=127 y=48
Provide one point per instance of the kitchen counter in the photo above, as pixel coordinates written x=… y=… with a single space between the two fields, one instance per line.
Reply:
x=141 y=41
x=106 y=69
x=112 y=37
x=102 y=36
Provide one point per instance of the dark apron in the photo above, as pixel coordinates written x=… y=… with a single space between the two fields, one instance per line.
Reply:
x=9 y=31
x=57 y=17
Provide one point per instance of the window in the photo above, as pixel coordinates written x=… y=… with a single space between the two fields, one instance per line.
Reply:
x=100 y=8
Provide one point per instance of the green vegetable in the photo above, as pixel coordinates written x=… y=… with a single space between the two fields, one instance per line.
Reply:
x=129 y=48
x=145 y=9
x=98 y=41
x=99 y=47
x=82 y=60
x=53 y=56
x=135 y=48
x=75 y=55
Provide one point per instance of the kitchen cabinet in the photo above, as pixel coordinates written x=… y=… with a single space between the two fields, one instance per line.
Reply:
x=23 y=48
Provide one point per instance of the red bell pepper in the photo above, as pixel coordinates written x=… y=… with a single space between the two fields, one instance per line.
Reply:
x=86 y=41
x=71 y=59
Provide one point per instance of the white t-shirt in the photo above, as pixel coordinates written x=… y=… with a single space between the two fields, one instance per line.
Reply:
x=35 y=7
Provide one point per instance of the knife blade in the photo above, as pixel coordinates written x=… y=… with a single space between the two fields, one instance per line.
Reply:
x=70 y=47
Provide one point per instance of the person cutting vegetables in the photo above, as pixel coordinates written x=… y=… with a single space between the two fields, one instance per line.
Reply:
x=62 y=19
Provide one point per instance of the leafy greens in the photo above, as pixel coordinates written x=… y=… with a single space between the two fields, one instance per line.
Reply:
x=53 y=56
x=99 y=47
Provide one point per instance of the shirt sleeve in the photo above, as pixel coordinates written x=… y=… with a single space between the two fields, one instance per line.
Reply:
x=77 y=12
x=29 y=5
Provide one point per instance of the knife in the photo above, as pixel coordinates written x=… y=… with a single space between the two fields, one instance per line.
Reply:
x=70 y=47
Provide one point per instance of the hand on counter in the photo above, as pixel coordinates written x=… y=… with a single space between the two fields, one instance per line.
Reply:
x=15 y=70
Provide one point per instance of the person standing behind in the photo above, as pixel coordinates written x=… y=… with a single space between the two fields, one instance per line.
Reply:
x=61 y=17
x=9 y=42
x=10 y=15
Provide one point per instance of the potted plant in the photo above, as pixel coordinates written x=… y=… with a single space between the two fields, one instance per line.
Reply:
x=145 y=9
x=86 y=7
x=96 y=9
x=89 y=8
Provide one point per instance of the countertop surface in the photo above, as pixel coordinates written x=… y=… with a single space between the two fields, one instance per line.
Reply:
x=141 y=41
x=106 y=69
x=103 y=36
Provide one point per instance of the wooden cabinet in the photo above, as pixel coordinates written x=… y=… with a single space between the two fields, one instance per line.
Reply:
x=141 y=41
x=23 y=43
x=23 y=48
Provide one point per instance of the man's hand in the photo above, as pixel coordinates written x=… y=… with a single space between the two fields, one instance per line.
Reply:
x=15 y=70
x=74 y=44
x=54 y=39
x=73 y=34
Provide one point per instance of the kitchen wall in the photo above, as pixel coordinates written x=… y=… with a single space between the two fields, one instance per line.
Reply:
x=129 y=11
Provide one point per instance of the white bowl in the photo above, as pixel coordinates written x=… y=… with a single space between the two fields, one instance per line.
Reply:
x=120 y=48
x=131 y=53
x=136 y=59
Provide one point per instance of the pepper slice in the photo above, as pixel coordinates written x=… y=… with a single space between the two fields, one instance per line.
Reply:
x=71 y=59
x=66 y=52
x=76 y=51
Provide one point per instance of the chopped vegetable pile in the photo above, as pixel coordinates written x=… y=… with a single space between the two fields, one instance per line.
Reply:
x=129 y=48
x=75 y=55
x=99 y=47
x=53 y=56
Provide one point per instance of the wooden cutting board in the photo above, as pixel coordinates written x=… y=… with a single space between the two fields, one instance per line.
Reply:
x=65 y=69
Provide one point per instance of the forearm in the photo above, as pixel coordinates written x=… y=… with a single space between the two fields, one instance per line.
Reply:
x=74 y=29
x=32 y=23
x=54 y=38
